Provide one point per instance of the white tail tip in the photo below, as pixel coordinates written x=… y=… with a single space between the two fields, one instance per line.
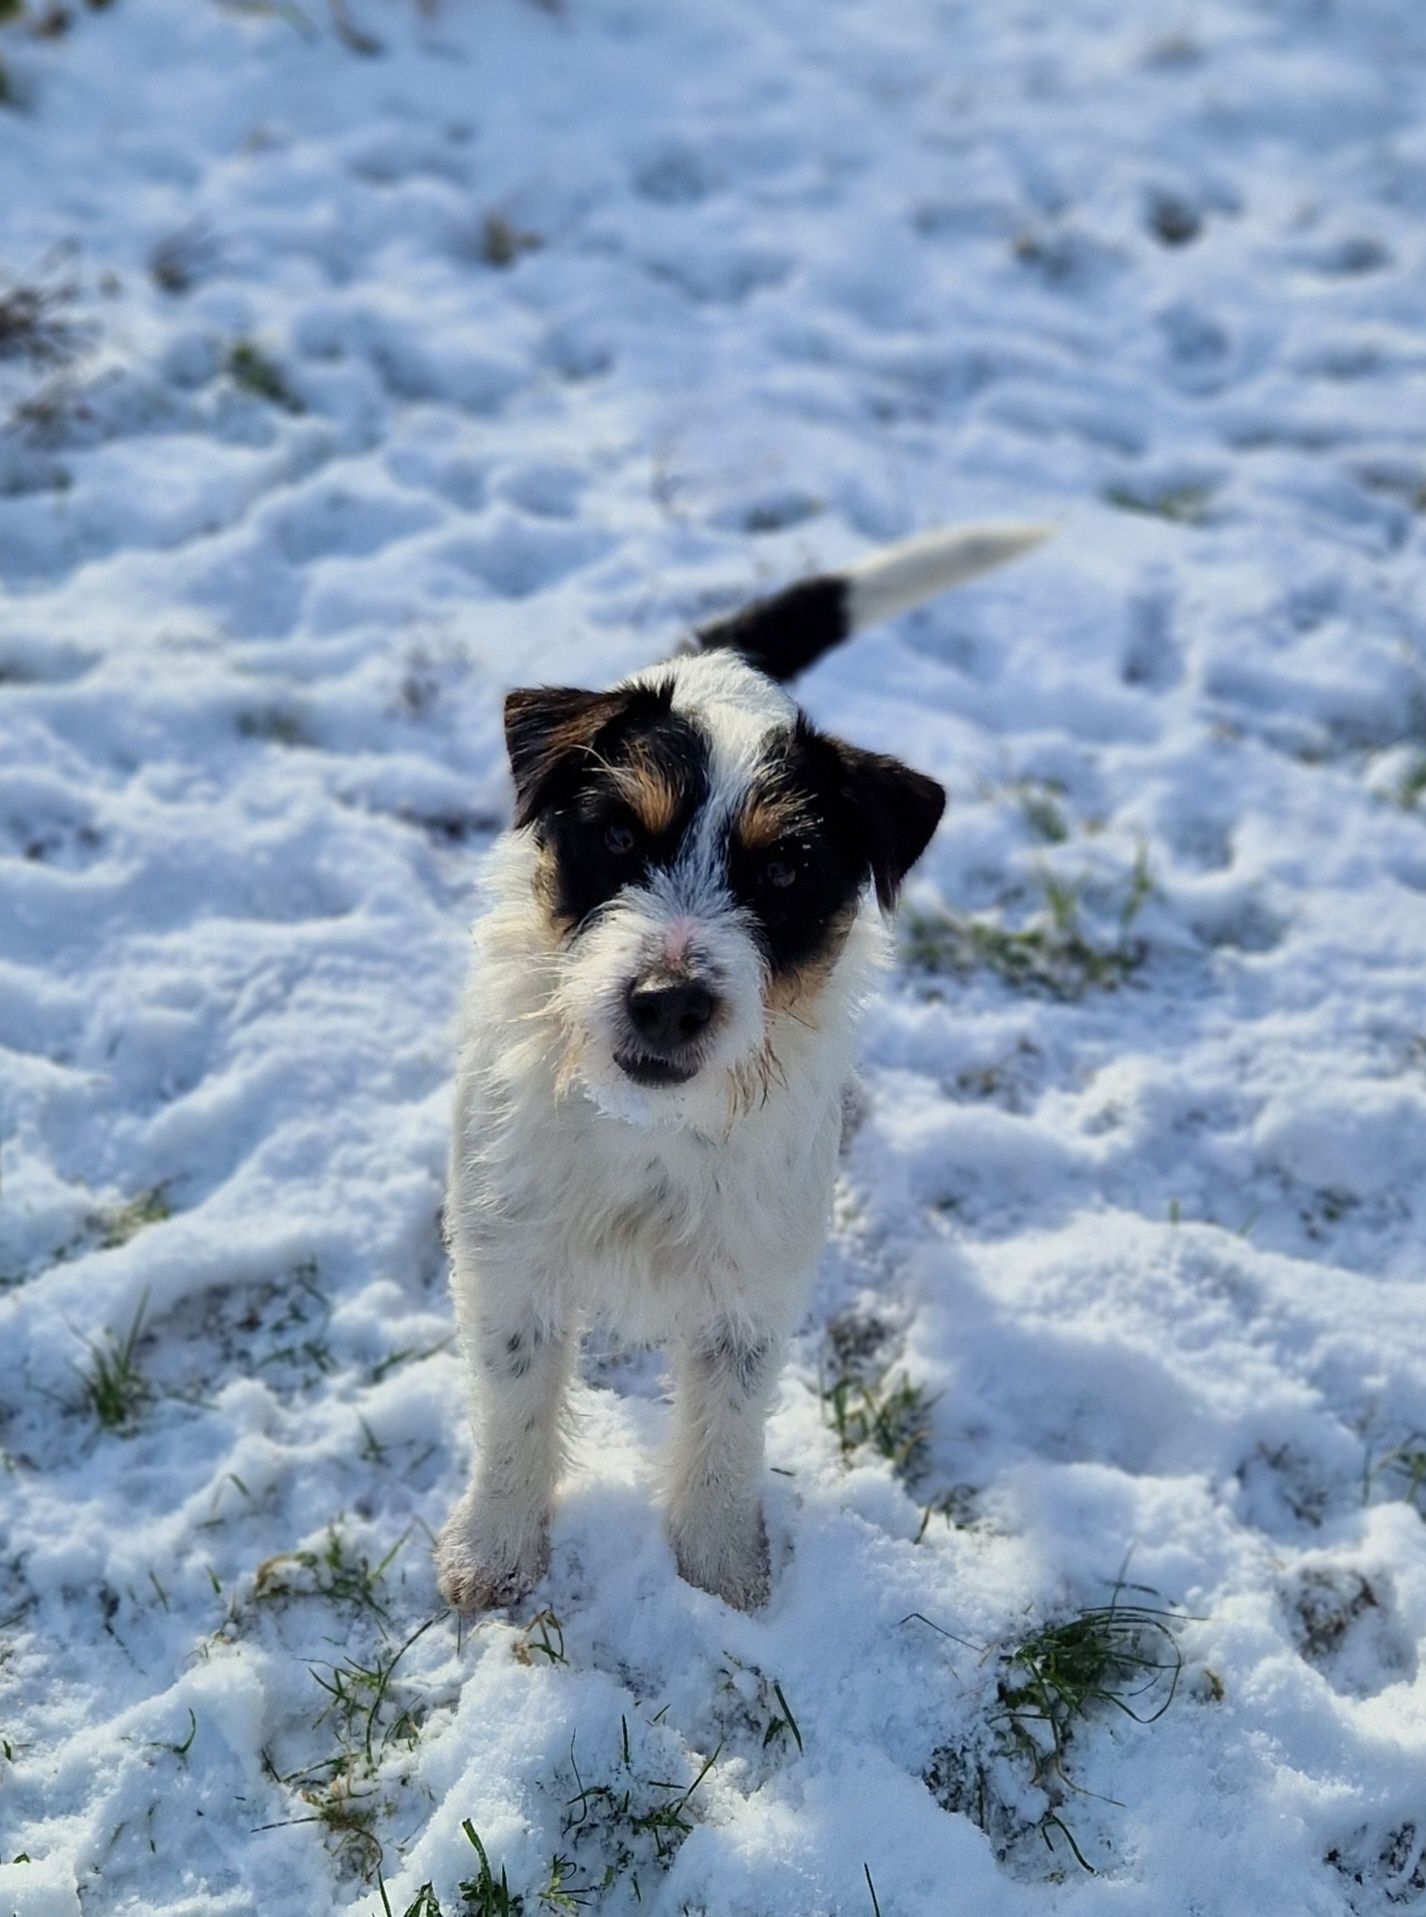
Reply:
x=898 y=577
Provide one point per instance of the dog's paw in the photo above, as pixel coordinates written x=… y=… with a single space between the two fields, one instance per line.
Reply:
x=483 y=1563
x=728 y=1558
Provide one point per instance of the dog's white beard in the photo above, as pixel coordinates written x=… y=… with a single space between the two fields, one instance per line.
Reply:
x=590 y=1005
x=619 y=1097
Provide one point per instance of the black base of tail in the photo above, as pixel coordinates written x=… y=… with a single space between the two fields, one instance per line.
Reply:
x=784 y=634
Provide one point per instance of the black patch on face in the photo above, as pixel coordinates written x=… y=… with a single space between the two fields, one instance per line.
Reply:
x=611 y=786
x=821 y=847
x=852 y=817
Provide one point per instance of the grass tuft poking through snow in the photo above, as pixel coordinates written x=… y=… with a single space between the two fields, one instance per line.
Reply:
x=115 y=1388
x=485 y=1895
x=1116 y=1654
x=1052 y=954
x=1190 y=504
x=632 y=1824
x=1049 y=1685
x=502 y=242
x=368 y=1726
x=542 y=1637
x=1042 y=803
x=890 y=1414
x=1399 y=1472
x=126 y=1221
x=335 y=1574
x=37 y=322
x=256 y=372
x=1055 y=952
x=1411 y=787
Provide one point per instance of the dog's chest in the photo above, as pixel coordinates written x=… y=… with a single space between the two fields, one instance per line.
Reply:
x=669 y=1227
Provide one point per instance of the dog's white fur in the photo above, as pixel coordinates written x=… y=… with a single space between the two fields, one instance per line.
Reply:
x=905 y=575
x=690 y=1216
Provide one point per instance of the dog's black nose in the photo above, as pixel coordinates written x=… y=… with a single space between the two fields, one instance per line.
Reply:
x=668 y=1014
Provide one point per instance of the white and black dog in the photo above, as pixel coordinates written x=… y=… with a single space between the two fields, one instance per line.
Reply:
x=683 y=922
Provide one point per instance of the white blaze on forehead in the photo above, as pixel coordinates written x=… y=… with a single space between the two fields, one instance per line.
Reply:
x=735 y=707
x=680 y=939
x=686 y=896
x=739 y=712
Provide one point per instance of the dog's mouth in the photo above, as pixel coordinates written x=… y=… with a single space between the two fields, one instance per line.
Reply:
x=653 y=1073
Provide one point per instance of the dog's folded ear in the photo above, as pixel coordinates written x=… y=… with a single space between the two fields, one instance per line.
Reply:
x=555 y=733
x=548 y=733
x=899 y=810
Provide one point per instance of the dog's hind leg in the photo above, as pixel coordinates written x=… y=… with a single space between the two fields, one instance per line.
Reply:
x=495 y=1544
x=725 y=1381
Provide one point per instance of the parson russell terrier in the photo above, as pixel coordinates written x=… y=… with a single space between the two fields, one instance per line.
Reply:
x=682 y=924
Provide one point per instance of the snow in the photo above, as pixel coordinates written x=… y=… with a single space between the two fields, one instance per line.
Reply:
x=502 y=352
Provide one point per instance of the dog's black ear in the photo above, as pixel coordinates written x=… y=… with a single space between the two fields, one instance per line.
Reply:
x=548 y=733
x=899 y=810
x=554 y=735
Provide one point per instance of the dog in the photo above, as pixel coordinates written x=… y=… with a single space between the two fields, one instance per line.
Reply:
x=683 y=922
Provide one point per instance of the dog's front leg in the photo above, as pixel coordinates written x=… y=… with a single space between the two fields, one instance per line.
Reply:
x=725 y=1381
x=496 y=1542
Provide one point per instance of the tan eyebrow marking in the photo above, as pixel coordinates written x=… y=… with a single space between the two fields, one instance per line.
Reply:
x=770 y=815
x=650 y=793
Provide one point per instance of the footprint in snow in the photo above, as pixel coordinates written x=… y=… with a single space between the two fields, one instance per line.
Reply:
x=1343 y=1624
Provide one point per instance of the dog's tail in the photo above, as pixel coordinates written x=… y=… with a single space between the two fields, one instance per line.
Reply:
x=782 y=635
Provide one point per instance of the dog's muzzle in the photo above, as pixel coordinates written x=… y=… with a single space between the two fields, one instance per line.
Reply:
x=667 y=1020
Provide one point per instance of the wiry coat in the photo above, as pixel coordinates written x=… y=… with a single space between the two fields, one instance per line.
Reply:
x=671 y=1182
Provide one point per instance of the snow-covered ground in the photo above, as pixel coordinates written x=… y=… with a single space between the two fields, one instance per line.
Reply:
x=412 y=354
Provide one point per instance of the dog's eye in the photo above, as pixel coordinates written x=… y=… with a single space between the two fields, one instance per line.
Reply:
x=619 y=839
x=780 y=873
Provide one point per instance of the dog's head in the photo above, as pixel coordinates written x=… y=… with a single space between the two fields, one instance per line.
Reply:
x=703 y=852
